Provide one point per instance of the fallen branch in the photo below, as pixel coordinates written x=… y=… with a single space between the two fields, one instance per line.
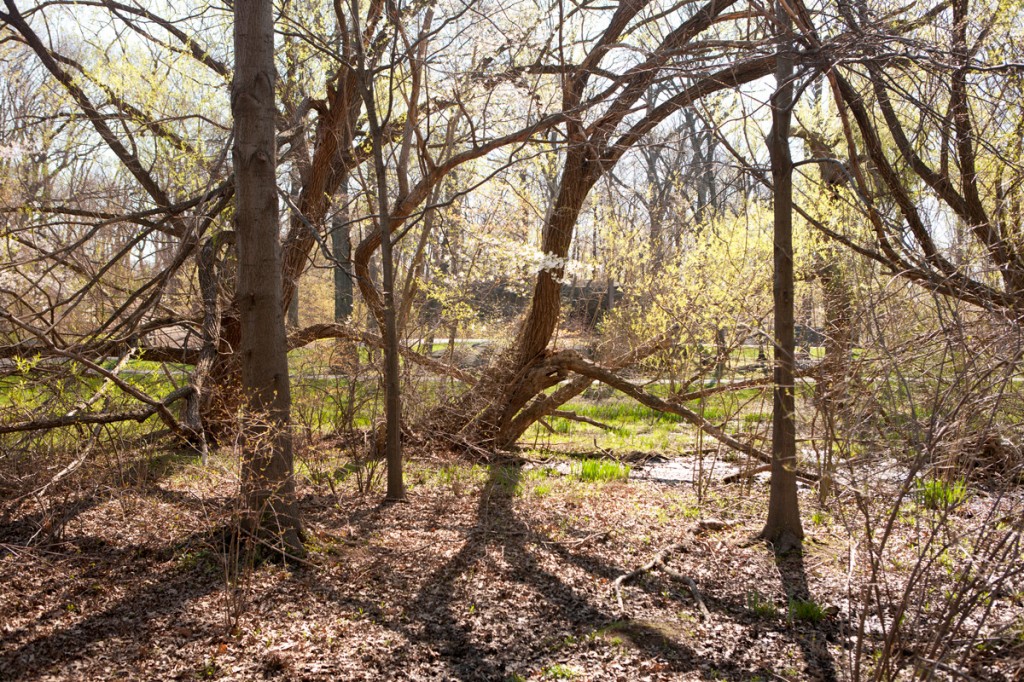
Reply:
x=312 y=333
x=572 y=416
x=704 y=612
x=747 y=473
x=139 y=415
x=660 y=561
x=580 y=365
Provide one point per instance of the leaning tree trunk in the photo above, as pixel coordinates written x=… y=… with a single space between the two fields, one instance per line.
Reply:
x=524 y=371
x=522 y=374
x=783 y=525
x=268 y=484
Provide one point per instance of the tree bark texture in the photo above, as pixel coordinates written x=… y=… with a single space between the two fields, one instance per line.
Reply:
x=783 y=526
x=387 y=313
x=346 y=353
x=198 y=404
x=268 y=484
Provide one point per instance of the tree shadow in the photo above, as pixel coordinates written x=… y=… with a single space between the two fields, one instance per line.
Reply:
x=500 y=535
x=44 y=525
x=812 y=637
x=129 y=622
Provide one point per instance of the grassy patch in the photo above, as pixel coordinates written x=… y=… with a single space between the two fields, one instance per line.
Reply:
x=559 y=671
x=623 y=412
x=806 y=610
x=599 y=470
x=761 y=606
x=935 y=493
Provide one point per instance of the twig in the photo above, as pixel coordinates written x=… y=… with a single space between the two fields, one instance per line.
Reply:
x=121 y=363
x=576 y=543
x=572 y=416
x=662 y=556
x=658 y=560
x=704 y=612
x=139 y=415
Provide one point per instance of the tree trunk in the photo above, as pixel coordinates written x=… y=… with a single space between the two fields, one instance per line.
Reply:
x=198 y=405
x=577 y=180
x=783 y=526
x=293 y=308
x=521 y=375
x=223 y=388
x=346 y=352
x=388 y=316
x=834 y=370
x=268 y=483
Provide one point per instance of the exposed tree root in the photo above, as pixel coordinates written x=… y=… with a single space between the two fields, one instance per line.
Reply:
x=660 y=561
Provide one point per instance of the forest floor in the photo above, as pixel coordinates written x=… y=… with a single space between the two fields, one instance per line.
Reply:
x=489 y=572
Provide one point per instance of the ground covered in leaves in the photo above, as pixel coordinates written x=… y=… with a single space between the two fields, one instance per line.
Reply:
x=501 y=571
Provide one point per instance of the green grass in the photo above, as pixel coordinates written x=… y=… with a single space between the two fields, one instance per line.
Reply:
x=622 y=412
x=559 y=671
x=761 y=606
x=600 y=470
x=806 y=610
x=934 y=493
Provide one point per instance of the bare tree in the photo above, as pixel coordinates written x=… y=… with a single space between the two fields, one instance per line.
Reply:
x=929 y=108
x=592 y=149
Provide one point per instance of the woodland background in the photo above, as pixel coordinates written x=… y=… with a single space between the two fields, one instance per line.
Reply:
x=501 y=339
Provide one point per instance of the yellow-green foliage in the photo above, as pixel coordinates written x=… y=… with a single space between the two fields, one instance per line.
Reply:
x=722 y=278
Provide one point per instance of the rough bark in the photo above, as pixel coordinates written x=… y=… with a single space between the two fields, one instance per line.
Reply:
x=833 y=372
x=783 y=527
x=199 y=402
x=346 y=353
x=838 y=304
x=268 y=484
